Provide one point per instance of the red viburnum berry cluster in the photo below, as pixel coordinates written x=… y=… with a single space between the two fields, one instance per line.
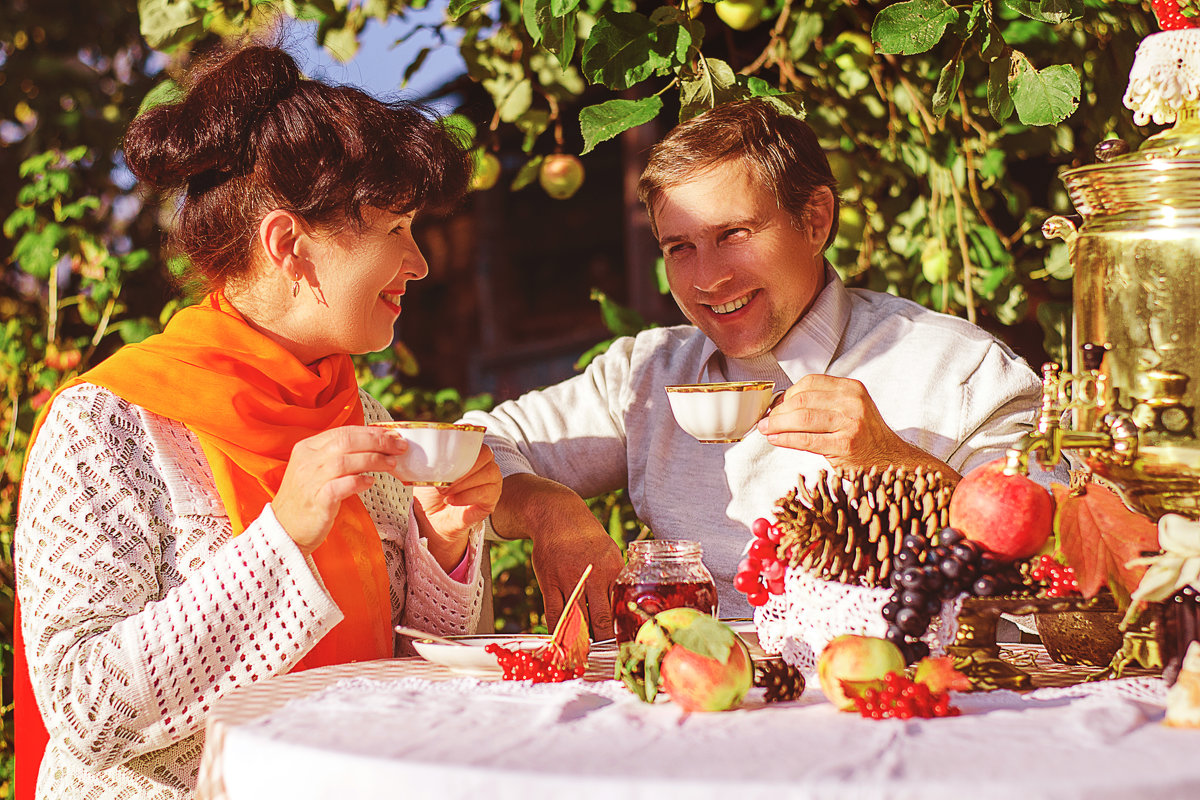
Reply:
x=1060 y=576
x=523 y=665
x=760 y=574
x=1170 y=14
x=903 y=698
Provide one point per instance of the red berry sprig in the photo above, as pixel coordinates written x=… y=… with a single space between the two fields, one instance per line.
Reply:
x=903 y=698
x=523 y=665
x=1060 y=577
x=1171 y=16
x=760 y=574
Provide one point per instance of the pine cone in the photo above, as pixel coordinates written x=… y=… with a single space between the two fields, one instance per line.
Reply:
x=781 y=680
x=850 y=524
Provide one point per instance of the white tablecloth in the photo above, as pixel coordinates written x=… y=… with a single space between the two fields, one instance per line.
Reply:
x=415 y=738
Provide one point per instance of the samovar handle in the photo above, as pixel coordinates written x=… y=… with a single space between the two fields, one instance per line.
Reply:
x=1060 y=227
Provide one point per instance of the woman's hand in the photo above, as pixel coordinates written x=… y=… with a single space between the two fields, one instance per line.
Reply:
x=446 y=513
x=326 y=469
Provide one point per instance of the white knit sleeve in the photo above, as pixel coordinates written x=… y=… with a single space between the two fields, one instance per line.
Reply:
x=128 y=645
x=436 y=602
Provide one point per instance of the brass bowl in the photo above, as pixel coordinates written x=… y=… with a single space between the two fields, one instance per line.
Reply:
x=1088 y=637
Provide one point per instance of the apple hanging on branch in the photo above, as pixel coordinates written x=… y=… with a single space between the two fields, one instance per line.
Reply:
x=561 y=175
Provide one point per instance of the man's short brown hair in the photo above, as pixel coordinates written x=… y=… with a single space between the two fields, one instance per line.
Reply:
x=781 y=149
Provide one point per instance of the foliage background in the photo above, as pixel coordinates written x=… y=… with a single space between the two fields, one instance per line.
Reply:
x=946 y=124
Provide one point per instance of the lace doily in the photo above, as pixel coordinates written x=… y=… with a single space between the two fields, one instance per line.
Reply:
x=799 y=623
x=1165 y=76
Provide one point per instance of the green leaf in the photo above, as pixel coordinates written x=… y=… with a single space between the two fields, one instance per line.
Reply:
x=341 y=43
x=1000 y=102
x=417 y=63
x=166 y=24
x=461 y=125
x=460 y=8
x=706 y=637
x=77 y=209
x=947 y=85
x=21 y=218
x=532 y=123
x=592 y=353
x=619 y=320
x=807 y=27
x=912 y=27
x=134 y=330
x=603 y=121
x=1043 y=97
x=164 y=92
x=712 y=84
x=626 y=48
x=1052 y=11
x=311 y=10
x=528 y=173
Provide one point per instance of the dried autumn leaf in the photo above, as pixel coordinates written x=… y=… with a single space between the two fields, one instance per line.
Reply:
x=939 y=674
x=1099 y=536
x=569 y=645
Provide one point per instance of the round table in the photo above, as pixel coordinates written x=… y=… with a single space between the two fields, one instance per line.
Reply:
x=407 y=728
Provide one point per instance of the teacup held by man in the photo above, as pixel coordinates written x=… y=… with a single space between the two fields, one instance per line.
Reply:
x=438 y=454
x=720 y=412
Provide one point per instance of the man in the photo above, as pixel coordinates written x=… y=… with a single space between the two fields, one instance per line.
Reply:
x=743 y=204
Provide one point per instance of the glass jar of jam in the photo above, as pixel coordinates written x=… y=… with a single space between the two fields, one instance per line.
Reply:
x=660 y=574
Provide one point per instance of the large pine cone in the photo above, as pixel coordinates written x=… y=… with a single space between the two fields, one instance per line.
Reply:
x=850 y=524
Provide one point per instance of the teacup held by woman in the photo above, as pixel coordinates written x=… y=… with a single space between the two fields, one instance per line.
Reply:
x=720 y=412
x=439 y=453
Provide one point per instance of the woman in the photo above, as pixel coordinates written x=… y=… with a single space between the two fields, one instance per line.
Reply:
x=208 y=508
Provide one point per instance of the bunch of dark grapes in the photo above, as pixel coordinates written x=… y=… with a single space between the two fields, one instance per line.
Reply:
x=522 y=665
x=927 y=571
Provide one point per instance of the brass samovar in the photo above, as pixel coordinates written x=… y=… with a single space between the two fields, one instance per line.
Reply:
x=1134 y=384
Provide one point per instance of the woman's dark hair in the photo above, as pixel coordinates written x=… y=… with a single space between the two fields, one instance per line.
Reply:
x=781 y=149
x=252 y=134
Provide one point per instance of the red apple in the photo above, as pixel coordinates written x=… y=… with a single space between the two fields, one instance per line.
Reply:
x=856 y=659
x=1008 y=515
x=561 y=175
x=705 y=666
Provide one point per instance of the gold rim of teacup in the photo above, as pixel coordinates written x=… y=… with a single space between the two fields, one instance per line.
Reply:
x=727 y=386
x=423 y=424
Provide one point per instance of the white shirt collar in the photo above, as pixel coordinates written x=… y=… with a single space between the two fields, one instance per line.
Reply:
x=810 y=346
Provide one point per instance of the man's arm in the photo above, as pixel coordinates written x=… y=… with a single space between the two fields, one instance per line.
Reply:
x=556 y=446
x=836 y=418
x=566 y=538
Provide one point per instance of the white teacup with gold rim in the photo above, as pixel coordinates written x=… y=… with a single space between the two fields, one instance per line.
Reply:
x=720 y=412
x=439 y=453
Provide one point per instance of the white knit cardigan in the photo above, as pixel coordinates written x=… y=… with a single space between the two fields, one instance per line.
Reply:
x=140 y=610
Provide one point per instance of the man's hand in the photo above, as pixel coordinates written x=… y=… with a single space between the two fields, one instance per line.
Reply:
x=836 y=418
x=566 y=538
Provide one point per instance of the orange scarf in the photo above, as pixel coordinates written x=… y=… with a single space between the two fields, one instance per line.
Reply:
x=249 y=401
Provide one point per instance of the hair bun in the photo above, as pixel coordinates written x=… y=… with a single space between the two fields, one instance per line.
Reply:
x=208 y=136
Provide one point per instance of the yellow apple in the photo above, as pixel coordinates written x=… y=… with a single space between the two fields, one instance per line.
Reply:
x=487 y=172
x=741 y=15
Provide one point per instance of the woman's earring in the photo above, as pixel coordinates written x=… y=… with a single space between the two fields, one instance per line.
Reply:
x=295 y=287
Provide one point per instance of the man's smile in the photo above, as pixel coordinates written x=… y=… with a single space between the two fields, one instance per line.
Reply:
x=732 y=305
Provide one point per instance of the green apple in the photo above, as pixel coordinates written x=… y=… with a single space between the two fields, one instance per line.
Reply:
x=561 y=175
x=935 y=262
x=741 y=15
x=487 y=172
x=855 y=659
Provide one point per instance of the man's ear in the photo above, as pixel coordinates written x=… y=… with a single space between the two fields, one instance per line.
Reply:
x=282 y=237
x=820 y=214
